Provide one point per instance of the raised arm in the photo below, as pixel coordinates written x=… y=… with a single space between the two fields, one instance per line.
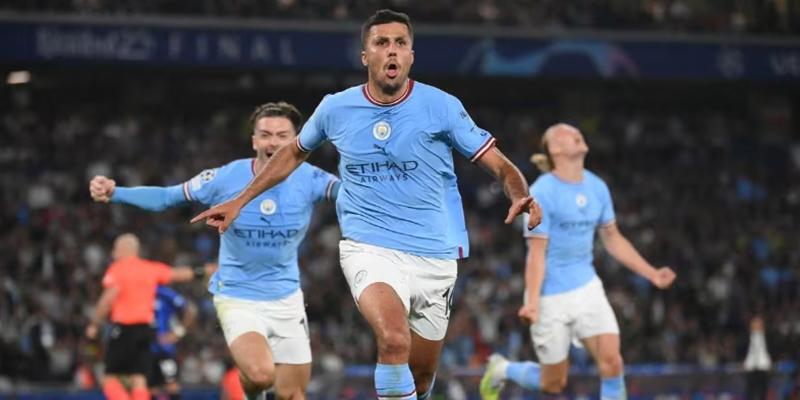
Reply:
x=152 y=198
x=279 y=166
x=623 y=251
x=514 y=186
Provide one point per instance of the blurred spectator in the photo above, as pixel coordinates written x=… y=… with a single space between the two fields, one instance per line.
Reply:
x=757 y=363
x=745 y=16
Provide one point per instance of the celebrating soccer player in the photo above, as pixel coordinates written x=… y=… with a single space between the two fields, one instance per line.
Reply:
x=257 y=288
x=395 y=138
x=564 y=296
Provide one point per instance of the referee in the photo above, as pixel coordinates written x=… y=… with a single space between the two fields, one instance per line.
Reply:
x=129 y=290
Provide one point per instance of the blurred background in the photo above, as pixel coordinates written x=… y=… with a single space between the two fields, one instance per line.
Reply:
x=691 y=109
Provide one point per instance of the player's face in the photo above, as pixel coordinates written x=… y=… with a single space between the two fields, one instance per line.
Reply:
x=388 y=56
x=271 y=133
x=569 y=142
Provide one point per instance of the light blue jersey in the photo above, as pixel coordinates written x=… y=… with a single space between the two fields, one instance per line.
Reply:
x=457 y=226
x=258 y=253
x=396 y=166
x=571 y=213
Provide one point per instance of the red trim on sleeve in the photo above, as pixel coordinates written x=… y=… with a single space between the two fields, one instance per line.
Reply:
x=483 y=149
x=300 y=146
x=186 y=192
x=329 y=189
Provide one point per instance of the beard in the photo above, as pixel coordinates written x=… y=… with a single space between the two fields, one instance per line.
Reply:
x=390 y=88
x=387 y=87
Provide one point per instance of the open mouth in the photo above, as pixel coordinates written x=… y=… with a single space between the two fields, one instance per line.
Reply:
x=392 y=70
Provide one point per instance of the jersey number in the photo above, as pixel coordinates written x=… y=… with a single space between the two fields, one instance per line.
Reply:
x=448 y=301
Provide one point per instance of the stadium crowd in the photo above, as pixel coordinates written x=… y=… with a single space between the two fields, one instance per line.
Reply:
x=714 y=194
x=748 y=16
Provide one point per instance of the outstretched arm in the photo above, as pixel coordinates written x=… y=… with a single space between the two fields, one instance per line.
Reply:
x=279 y=166
x=514 y=186
x=621 y=249
x=153 y=198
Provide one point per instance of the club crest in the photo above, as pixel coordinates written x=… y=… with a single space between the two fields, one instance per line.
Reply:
x=581 y=200
x=268 y=207
x=382 y=130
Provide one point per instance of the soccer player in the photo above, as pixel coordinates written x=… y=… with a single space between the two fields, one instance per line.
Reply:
x=395 y=138
x=129 y=294
x=564 y=296
x=173 y=315
x=257 y=287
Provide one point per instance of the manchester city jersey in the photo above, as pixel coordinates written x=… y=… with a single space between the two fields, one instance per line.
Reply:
x=571 y=213
x=396 y=166
x=258 y=253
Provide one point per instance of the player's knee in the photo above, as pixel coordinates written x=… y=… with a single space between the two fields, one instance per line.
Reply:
x=554 y=385
x=611 y=365
x=392 y=342
x=259 y=377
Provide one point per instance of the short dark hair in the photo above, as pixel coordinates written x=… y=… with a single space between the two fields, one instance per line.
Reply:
x=381 y=17
x=279 y=109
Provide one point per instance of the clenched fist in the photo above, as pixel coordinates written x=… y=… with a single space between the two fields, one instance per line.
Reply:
x=663 y=277
x=102 y=188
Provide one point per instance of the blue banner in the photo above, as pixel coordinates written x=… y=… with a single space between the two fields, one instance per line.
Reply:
x=26 y=43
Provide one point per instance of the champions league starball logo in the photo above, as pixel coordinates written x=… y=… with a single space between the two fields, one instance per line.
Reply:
x=268 y=207
x=202 y=178
x=382 y=130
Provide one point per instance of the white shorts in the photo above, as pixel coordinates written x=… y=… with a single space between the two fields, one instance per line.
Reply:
x=580 y=313
x=424 y=284
x=282 y=322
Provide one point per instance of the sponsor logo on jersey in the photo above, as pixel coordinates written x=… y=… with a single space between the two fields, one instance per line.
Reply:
x=386 y=171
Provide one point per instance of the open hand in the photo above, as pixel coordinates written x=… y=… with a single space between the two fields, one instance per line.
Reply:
x=525 y=204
